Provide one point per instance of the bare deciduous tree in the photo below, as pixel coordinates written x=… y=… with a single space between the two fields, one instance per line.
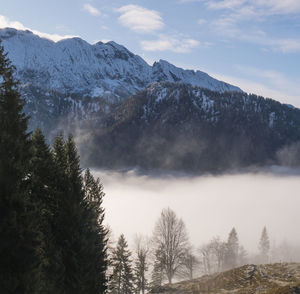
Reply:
x=206 y=254
x=171 y=238
x=218 y=248
x=190 y=263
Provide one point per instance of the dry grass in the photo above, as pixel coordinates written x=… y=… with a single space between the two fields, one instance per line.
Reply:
x=279 y=278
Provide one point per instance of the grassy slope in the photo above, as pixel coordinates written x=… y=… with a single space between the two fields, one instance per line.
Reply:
x=277 y=278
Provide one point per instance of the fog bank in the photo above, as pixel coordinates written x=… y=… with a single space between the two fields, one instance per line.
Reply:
x=208 y=205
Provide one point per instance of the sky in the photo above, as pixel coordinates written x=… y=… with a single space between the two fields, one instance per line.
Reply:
x=254 y=44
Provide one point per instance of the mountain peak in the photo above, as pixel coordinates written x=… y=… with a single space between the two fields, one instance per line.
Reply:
x=75 y=66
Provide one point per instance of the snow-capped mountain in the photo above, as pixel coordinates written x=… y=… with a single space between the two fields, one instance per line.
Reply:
x=128 y=113
x=99 y=70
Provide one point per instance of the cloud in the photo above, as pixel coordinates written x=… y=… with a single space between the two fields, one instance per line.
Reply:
x=91 y=9
x=263 y=6
x=242 y=21
x=5 y=22
x=272 y=84
x=225 y=4
x=140 y=19
x=274 y=78
x=201 y=21
x=166 y=43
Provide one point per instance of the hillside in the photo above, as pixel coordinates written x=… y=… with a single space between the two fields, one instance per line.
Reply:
x=280 y=278
x=173 y=126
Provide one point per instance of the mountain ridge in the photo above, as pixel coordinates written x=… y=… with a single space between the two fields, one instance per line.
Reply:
x=103 y=69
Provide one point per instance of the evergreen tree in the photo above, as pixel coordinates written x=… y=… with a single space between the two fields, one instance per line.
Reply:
x=95 y=235
x=121 y=281
x=71 y=222
x=264 y=246
x=158 y=273
x=80 y=234
x=51 y=231
x=43 y=196
x=141 y=265
x=232 y=250
x=17 y=247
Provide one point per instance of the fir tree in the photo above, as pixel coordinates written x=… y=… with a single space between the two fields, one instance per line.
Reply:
x=70 y=238
x=158 y=273
x=43 y=196
x=121 y=281
x=264 y=246
x=232 y=250
x=80 y=234
x=17 y=247
x=141 y=265
x=95 y=235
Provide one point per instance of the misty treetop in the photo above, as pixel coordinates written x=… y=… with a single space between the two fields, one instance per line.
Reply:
x=168 y=256
x=51 y=217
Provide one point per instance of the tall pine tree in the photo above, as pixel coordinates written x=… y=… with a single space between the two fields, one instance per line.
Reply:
x=232 y=250
x=18 y=258
x=95 y=235
x=264 y=246
x=43 y=198
x=52 y=238
x=121 y=281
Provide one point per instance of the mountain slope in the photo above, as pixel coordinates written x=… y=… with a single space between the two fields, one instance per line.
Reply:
x=181 y=127
x=278 y=278
x=73 y=80
x=75 y=66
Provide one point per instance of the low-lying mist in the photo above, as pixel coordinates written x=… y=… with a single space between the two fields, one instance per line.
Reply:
x=209 y=205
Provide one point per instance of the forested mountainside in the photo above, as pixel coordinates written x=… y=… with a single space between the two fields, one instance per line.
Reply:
x=182 y=127
x=280 y=278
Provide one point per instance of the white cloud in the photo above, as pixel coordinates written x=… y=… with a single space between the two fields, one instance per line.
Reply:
x=268 y=7
x=242 y=22
x=140 y=19
x=274 y=78
x=272 y=84
x=166 y=43
x=7 y=23
x=225 y=4
x=201 y=21
x=91 y=9
x=288 y=45
x=279 y=6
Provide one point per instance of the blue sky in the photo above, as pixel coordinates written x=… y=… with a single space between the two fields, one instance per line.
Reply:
x=254 y=44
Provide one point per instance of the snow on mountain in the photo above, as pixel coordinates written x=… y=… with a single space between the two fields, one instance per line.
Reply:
x=103 y=69
x=164 y=71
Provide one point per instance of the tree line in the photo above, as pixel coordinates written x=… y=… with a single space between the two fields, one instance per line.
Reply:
x=168 y=255
x=52 y=238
